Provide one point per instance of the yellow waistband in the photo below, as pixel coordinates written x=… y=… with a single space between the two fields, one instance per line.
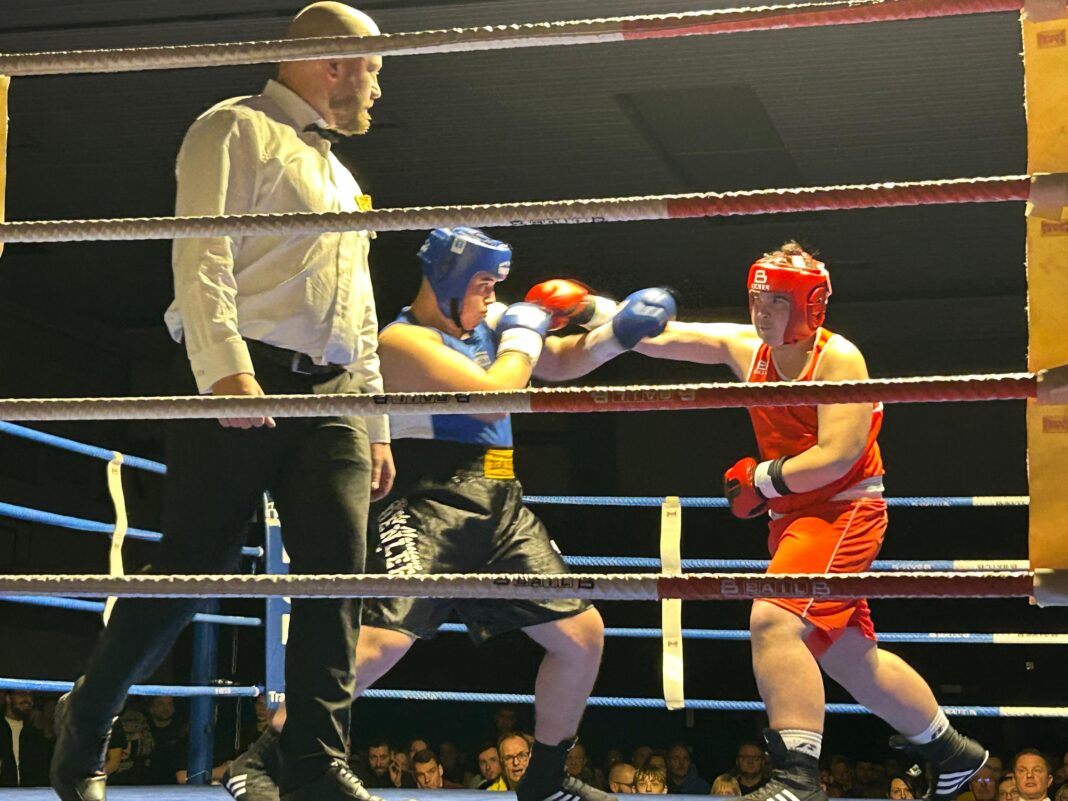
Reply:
x=498 y=463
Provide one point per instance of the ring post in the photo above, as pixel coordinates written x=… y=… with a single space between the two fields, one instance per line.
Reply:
x=202 y=709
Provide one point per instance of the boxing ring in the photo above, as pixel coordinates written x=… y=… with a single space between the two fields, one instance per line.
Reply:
x=672 y=578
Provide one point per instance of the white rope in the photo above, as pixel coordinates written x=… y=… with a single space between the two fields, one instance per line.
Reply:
x=419 y=218
x=913 y=389
x=488 y=37
x=599 y=586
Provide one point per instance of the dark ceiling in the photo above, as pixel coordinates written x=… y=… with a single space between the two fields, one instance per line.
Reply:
x=895 y=101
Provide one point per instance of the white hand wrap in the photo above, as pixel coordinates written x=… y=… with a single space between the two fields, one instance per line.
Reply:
x=521 y=340
x=602 y=345
x=604 y=309
x=762 y=480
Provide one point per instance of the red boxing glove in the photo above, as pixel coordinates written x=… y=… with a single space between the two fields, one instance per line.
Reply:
x=566 y=300
x=745 y=499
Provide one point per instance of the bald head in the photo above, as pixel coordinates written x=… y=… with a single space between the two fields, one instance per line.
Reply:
x=328 y=18
x=342 y=90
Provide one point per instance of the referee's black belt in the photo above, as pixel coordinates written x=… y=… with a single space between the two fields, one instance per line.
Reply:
x=292 y=360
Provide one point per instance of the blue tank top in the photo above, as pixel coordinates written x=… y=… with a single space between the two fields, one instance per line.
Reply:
x=480 y=346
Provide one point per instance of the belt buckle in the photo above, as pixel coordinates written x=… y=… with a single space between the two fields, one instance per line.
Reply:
x=294 y=364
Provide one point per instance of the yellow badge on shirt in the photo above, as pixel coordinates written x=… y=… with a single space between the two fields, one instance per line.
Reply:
x=364 y=203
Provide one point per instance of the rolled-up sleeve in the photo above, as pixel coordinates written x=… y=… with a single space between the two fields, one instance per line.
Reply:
x=216 y=175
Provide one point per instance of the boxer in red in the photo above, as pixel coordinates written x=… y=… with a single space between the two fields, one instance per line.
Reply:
x=819 y=478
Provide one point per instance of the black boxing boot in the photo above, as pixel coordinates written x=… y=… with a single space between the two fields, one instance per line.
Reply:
x=253 y=776
x=546 y=777
x=336 y=783
x=953 y=758
x=795 y=776
x=77 y=769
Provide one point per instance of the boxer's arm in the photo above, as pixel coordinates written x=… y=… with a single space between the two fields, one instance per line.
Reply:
x=704 y=343
x=414 y=359
x=843 y=428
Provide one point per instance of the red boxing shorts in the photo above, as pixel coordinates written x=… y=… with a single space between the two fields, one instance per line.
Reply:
x=833 y=537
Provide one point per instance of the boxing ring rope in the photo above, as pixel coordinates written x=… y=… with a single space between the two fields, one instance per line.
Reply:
x=914 y=637
x=497 y=37
x=79 y=605
x=667 y=397
x=619 y=702
x=600 y=586
x=176 y=690
x=892 y=565
x=599 y=210
x=703 y=502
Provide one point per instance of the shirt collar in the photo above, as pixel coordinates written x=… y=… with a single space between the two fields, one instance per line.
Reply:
x=299 y=111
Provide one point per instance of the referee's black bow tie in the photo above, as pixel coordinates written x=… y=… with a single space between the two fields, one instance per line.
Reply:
x=329 y=135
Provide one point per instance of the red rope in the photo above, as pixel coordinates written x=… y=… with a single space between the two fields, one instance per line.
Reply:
x=1011 y=386
x=695 y=587
x=924 y=193
x=809 y=16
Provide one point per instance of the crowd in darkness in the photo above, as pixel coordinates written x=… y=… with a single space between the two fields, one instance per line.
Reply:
x=149 y=742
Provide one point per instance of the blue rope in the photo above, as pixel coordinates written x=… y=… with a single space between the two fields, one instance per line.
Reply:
x=755 y=564
x=695 y=502
x=95 y=606
x=65 y=521
x=80 y=447
x=743 y=635
x=658 y=703
x=178 y=691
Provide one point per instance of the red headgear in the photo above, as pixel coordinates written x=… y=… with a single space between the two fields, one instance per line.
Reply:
x=807 y=283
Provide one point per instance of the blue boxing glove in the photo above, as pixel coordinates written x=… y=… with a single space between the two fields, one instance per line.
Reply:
x=522 y=329
x=644 y=313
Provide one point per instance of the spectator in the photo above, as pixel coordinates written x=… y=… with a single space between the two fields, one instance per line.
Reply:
x=400 y=771
x=639 y=755
x=658 y=761
x=24 y=751
x=415 y=746
x=842 y=782
x=865 y=783
x=452 y=761
x=1062 y=793
x=374 y=771
x=899 y=788
x=995 y=763
x=429 y=774
x=116 y=751
x=165 y=759
x=138 y=748
x=682 y=775
x=611 y=757
x=983 y=785
x=621 y=778
x=504 y=722
x=514 y=750
x=726 y=784
x=489 y=770
x=578 y=765
x=749 y=767
x=1033 y=776
x=650 y=781
x=1059 y=775
x=1007 y=788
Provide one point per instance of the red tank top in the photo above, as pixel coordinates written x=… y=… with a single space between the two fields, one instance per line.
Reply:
x=790 y=430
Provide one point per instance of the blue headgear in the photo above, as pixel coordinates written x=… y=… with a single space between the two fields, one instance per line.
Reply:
x=451 y=257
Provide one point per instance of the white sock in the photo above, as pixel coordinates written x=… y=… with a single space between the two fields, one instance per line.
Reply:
x=806 y=742
x=933 y=731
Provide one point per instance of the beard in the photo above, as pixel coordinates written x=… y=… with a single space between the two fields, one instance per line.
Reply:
x=350 y=117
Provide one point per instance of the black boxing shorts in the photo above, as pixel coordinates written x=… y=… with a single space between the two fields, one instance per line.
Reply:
x=457 y=508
